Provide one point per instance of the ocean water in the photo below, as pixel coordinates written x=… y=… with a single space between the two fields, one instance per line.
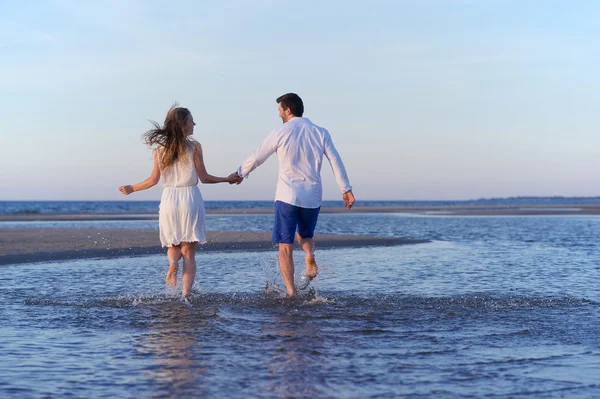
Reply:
x=35 y=207
x=491 y=307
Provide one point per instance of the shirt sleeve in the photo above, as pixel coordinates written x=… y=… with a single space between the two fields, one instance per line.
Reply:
x=267 y=148
x=339 y=171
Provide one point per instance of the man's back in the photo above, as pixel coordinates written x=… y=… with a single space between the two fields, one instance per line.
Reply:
x=300 y=149
x=300 y=146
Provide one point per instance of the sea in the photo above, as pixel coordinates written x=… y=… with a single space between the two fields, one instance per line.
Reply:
x=65 y=207
x=488 y=307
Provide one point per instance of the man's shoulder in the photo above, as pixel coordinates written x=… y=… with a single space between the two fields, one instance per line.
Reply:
x=289 y=126
x=306 y=123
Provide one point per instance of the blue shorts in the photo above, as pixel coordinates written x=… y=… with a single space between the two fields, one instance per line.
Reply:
x=289 y=217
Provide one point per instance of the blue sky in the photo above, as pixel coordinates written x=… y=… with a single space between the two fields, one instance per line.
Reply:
x=424 y=99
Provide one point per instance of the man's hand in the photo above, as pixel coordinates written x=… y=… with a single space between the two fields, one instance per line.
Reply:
x=348 y=199
x=234 y=178
x=126 y=190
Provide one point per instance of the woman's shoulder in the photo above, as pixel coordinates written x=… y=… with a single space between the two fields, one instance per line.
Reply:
x=194 y=144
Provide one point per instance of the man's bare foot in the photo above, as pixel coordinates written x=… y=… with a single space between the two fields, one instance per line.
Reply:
x=272 y=289
x=171 y=278
x=291 y=294
x=311 y=267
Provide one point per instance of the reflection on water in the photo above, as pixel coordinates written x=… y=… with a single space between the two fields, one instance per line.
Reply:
x=294 y=355
x=170 y=345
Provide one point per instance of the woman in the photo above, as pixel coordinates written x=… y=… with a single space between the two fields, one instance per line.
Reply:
x=179 y=162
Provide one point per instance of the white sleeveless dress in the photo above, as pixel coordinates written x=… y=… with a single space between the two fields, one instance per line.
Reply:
x=181 y=216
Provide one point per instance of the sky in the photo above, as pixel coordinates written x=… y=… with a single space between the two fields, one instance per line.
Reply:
x=424 y=99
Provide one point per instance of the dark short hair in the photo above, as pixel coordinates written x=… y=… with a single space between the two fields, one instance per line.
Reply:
x=293 y=102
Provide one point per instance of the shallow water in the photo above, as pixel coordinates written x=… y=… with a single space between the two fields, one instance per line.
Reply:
x=504 y=307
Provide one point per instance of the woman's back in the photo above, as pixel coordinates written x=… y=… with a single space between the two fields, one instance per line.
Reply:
x=182 y=172
x=181 y=212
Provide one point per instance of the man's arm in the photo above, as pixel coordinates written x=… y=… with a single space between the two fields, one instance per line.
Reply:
x=339 y=171
x=267 y=148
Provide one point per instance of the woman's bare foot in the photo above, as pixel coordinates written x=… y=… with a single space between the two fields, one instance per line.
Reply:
x=311 y=267
x=171 y=278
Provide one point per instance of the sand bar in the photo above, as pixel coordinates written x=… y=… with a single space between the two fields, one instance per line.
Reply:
x=21 y=245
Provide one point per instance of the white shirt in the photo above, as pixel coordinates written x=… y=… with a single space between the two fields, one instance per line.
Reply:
x=300 y=146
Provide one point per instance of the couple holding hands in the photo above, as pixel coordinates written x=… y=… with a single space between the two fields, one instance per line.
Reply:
x=178 y=163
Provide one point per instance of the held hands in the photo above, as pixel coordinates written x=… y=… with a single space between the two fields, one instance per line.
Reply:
x=348 y=199
x=234 y=178
x=126 y=190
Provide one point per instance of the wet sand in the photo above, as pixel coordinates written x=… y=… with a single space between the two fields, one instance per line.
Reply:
x=21 y=245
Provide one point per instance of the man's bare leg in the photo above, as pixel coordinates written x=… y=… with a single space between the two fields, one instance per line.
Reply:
x=286 y=265
x=308 y=247
x=173 y=254
x=188 y=250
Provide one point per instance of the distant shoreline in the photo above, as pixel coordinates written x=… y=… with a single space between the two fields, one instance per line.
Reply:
x=472 y=210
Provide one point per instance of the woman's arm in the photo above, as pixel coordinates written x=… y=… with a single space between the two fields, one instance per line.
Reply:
x=203 y=174
x=149 y=182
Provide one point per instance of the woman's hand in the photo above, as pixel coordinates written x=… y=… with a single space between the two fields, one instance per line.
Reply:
x=234 y=178
x=126 y=190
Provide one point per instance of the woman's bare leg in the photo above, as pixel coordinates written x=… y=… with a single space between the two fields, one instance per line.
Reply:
x=188 y=250
x=173 y=254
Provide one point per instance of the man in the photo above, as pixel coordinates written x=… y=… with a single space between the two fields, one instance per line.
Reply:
x=300 y=146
